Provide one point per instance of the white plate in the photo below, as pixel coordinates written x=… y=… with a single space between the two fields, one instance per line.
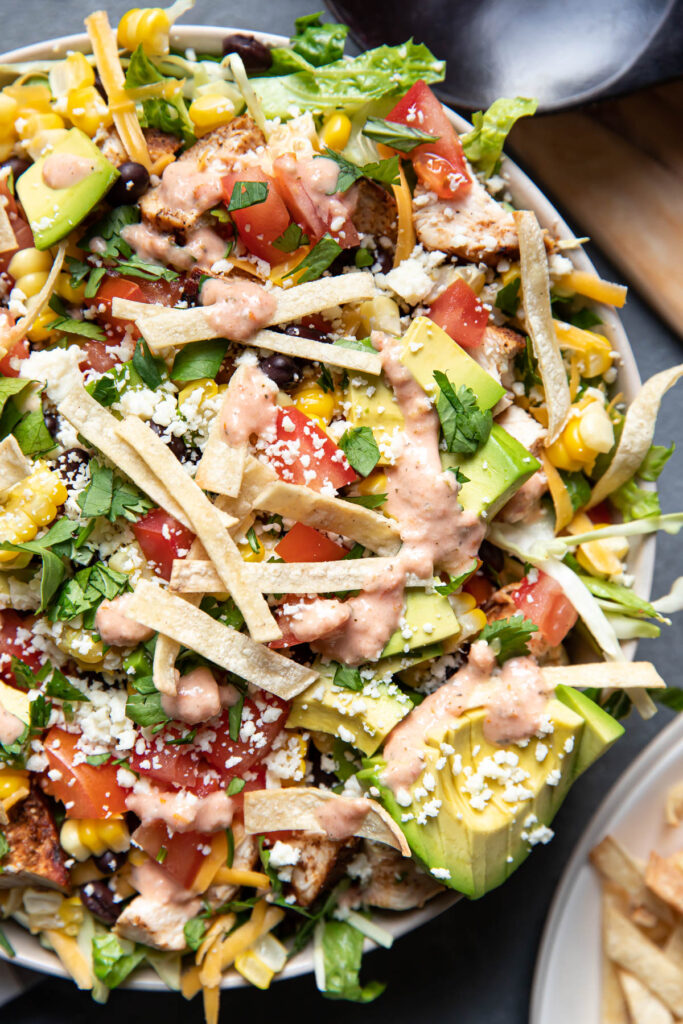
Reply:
x=527 y=195
x=566 y=987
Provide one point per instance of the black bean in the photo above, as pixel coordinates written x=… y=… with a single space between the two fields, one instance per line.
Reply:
x=16 y=165
x=70 y=460
x=491 y=556
x=301 y=331
x=98 y=898
x=110 y=862
x=385 y=259
x=255 y=56
x=132 y=183
x=100 y=88
x=284 y=370
x=176 y=444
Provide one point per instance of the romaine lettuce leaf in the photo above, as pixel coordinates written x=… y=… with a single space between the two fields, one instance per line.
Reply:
x=342 y=950
x=484 y=144
x=313 y=45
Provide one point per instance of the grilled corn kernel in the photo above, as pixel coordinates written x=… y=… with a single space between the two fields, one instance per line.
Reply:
x=87 y=110
x=588 y=432
x=335 y=131
x=316 y=403
x=91 y=837
x=29 y=261
x=249 y=555
x=14 y=786
x=79 y=71
x=376 y=483
x=211 y=111
x=511 y=274
x=198 y=391
x=36 y=122
x=66 y=291
x=144 y=26
x=30 y=504
x=81 y=646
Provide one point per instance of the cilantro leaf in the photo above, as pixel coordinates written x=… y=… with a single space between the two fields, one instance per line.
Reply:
x=458 y=474
x=507 y=298
x=152 y=371
x=399 y=136
x=384 y=171
x=109 y=495
x=455 y=582
x=104 y=390
x=290 y=239
x=83 y=593
x=97 y=759
x=235 y=786
x=194 y=931
x=247 y=193
x=199 y=359
x=349 y=678
x=465 y=426
x=509 y=638
x=364 y=258
x=366 y=500
x=360 y=448
x=59 y=686
x=39 y=714
x=4 y=846
x=32 y=435
x=109 y=230
x=358 y=344
x=578 y=487
x=83 y=328
x=11 y=387
x=235 y=718
x=52 y=567
x=136 y=267
x=144 y=705
x=321 y=256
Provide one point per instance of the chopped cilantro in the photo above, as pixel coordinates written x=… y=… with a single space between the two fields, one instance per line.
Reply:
x=509 y=638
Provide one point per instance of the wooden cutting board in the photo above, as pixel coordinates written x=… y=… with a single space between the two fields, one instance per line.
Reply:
x=616 y=169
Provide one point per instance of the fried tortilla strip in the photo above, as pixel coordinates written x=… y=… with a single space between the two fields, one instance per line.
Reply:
x=643 y=1007
x=630 y=949
x=664 y=878
x=625 y=675
x=14 y=466
x=618 y=866
x=98 y=427
x=674 y=945
x=171 y=615
x=304 y=808
x=539 y=320
x=612 y=1003
x=167 y=650
x=176 y=327
x=8 y=240
x=199 y=577
x=318 y=352
x=206 y=522
x=36 y=305
x=295 y=501
x=221 y=466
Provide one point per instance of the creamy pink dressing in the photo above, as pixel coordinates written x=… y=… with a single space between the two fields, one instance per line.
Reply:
x=197 y=698
x=156 y=885
x=319 y=177
x=11 y=727
x=185 y=187
x=181 y=811
x=343 y=817
x=115 y=628
x=154 y=246
x=229 y=695
x=421 y=496
x=205 y=246
x=249 y=407
x=315 y=619
x=62 y=170
x=237 y=309
x=373 y=616
x=517 y=702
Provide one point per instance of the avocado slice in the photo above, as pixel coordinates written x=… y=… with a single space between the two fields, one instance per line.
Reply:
x=427 y=347
x=600 y=730
x=477 y=808
x=363 y=719
x=429 y=618
x=54 y=212
x=372 y=403
x=494 y=473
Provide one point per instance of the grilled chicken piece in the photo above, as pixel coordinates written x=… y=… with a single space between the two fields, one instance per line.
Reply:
x=215 y=152
x=476 y=228
x=35 y=856
x=523 y=427
x=526 y=503
x=375 y=211
x=160 y=925
x=497 y=352
x=158 y=143
x=396 y=882
x=320 y=864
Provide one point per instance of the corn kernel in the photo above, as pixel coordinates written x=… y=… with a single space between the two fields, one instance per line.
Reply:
x=72 y=913
x=249 y=555
x=207 y=388
x=14 y=786
x=146 y=26
x=376 y=483
x=335 y=131
x=80 y=645
x=315 y=403
x=29 y=261
x=87 y=110
x=66 y=291
x=34 y=123
x=86 y=837
x=9 y=109
x=211 y=111
x=31 y=284
x=30 y=98
x=79 y=71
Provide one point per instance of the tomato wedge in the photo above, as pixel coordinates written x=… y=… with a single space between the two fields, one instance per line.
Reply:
x=461 y=313
x=162 y=538
x=86 y=790
x=170 y=763
x=304 y=544
x=543 y=601
x=313 y=211
x=262 y=719
x=440 y=165
x=259 y=225
x=20 y=227
x=303 y=453
x=184 y=851
x=19 y=351
x=15 y=642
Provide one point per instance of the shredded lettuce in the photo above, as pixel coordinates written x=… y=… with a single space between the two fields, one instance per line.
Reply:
x=654 y=462
x=340 y=950
x=349 y=84
x=313 y=45
x=635 y=502
x=671 y=602
x=627 y=628
x=114 y=958
x=618 y=596
x=484 y=144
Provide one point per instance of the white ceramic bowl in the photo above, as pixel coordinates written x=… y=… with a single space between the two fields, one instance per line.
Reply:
x=527 y=195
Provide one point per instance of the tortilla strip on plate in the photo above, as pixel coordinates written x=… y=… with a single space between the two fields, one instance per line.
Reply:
x=630 y=949
x=154 y=607
x=176 y=327
x=318 y=352
x=665 y=879
x=167 y=650
x=221 y=466
x=617 y=865
x=625 y=675
x=335 y=515
x=14 y=466
x=191 y=576
x=99 y=428
x=206 y=522
x=297 y=808
x=644 y=1008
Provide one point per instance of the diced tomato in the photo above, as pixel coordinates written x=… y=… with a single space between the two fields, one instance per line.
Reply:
x=479 y=587
x=86 y=790
x=460 y=312
x=20 y=227
x=439 y=165
x=259 y=727
x=313 y=212
x=96 y=356
x=261 y=224
x=15 y=642
x=162 y=538
x=165 y=293
x=170 y=763
x=601 y=513
x=19 y=351
x=114 y=288
x=543 y=601
x=184 y=854
x=304 y=544
x=304 y=450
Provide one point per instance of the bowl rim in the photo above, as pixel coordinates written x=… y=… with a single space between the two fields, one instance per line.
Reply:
x=29 y=953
